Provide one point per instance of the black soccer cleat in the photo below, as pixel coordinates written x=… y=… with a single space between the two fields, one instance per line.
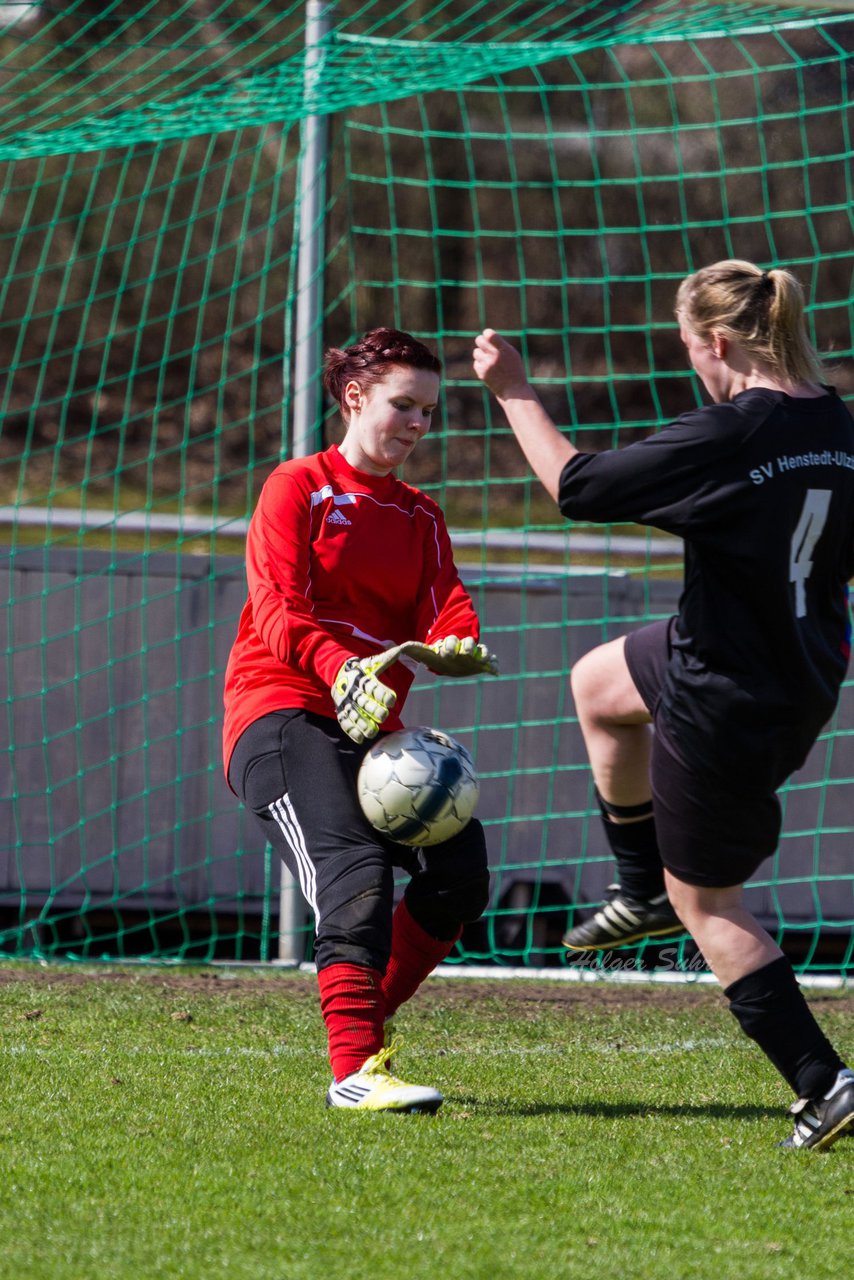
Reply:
x=621 y=920
x=819 y=1122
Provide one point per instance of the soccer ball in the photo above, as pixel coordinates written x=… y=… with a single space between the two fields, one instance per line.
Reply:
x=418 y=786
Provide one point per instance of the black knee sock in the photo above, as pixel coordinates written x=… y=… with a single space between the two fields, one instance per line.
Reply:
x=771 y=1009
x=635 y=849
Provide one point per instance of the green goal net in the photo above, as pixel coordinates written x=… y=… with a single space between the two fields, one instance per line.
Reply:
x=194 y=199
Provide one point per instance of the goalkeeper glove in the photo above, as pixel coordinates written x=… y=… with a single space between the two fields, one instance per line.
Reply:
x=362 y=703
x=466 y=656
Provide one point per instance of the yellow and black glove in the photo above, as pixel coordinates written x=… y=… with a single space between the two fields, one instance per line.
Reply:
x=463 y=657
x=362 y=702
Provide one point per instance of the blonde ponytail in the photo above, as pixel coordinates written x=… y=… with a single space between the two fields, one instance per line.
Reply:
x=761 y=311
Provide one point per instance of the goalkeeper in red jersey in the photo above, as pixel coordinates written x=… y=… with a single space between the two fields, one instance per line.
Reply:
x=738 y=686
x=344 y=561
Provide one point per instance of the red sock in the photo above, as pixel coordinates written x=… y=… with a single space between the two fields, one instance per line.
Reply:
x=352 y=1005
x=414 y=955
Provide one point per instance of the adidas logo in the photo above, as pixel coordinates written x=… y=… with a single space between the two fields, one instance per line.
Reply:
x=337 y=517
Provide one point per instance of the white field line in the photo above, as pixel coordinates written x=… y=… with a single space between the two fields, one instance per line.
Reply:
x=235 y=969
x=292 y=1051
x=613 y=974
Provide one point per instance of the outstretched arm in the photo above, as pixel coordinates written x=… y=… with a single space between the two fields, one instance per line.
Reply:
x=499 y=366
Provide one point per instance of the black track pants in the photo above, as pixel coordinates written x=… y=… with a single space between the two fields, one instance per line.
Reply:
x=296 y=771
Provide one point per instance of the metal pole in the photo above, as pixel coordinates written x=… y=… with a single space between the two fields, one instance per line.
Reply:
x=311 y=202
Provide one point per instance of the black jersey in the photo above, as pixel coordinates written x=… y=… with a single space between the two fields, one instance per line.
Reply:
x=762 y=490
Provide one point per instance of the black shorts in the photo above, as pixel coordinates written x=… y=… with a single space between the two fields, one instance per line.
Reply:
x=707 y=835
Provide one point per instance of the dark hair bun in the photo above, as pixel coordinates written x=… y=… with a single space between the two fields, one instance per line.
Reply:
x=369 y=360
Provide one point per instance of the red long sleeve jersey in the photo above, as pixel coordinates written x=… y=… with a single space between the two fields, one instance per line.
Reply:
x=339 y=563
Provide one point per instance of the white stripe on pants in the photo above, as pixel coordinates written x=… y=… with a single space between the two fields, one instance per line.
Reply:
x=282 y=813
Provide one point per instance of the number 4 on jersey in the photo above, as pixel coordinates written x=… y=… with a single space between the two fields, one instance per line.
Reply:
x=812 y=520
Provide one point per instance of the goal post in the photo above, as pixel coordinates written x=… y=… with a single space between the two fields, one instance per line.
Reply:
x=307 y=345
x=191 y=207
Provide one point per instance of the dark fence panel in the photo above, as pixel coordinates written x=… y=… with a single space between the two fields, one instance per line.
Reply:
x=112 y=785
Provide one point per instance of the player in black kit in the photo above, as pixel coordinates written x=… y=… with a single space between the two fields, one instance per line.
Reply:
x=738 y=685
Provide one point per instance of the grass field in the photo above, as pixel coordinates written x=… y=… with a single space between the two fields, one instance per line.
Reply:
x=171 y=1124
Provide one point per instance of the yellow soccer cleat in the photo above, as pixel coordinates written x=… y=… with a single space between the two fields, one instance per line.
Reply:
x=374 y=1088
